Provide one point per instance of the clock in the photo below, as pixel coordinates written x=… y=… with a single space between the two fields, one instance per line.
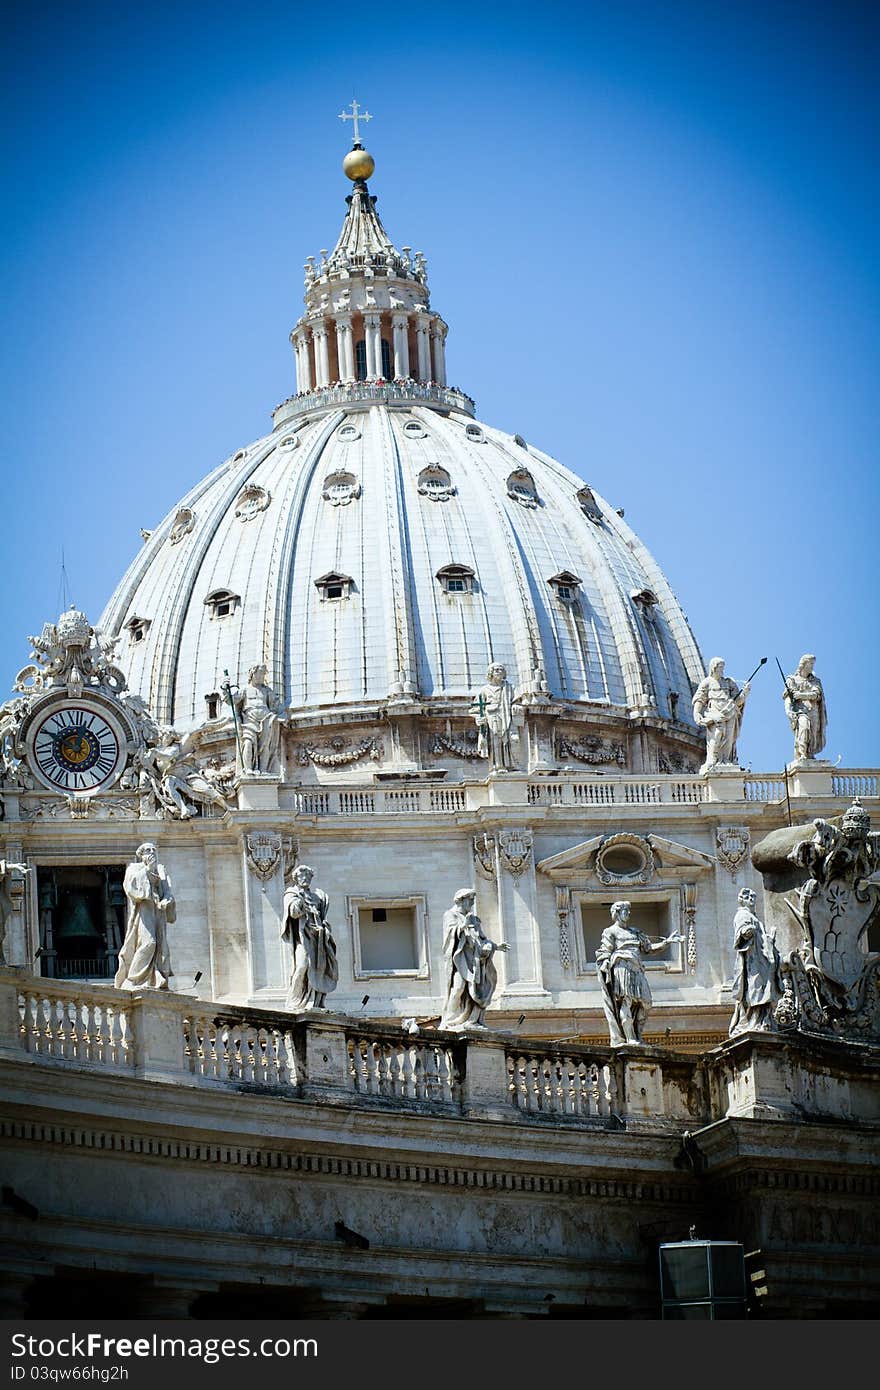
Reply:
x=76 y=747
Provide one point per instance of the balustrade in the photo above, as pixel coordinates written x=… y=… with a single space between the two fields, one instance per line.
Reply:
x=854 y=783
x=239 y=1051
x=76 y=1026
x=561 y=1084
x=598 y=791
x=403 y=1070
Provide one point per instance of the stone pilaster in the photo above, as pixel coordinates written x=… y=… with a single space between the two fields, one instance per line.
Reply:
x=423 y=339
x=438 y=336
x=401 y=345
x=520 y=969
x=345 y=347
x=269 y=967
x=322 y=360
x=373 y=342
x=303 y=365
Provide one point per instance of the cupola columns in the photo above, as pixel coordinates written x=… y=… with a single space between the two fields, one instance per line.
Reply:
x=300 y=340
x=345 y=347
x=373 y=341
x=423 y=339
x=438 y=333
x=322 y=359
x=400 y=325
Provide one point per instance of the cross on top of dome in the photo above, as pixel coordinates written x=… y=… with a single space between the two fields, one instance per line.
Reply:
x=356 y=114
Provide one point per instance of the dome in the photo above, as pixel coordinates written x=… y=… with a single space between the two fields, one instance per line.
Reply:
x=389 y=549
x=381 y=544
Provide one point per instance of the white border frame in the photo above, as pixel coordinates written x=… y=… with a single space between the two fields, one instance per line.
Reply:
x=417 y=901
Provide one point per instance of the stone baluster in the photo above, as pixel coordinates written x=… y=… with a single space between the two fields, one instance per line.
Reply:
x=400 y=326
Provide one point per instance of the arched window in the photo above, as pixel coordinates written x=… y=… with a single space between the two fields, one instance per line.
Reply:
x=435 y=482
x=222 y=603
x=456 y=579
x=387 y=360
x=360 y=360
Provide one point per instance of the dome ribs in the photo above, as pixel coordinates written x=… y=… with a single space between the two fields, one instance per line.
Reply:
x=296 y=664
x=404 y=675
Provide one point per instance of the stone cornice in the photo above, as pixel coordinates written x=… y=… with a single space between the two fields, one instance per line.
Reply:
x=266 y=1158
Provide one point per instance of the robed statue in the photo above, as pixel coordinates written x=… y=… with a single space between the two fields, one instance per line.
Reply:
x=305 y=927
x=471 y=972
x=145 y=958
x=805 y=706
x=757 y=983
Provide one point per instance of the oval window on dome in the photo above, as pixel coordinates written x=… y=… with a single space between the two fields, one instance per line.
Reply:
x=251 y=501
x=415 y=429
x=348 y=433
x=521 y=487
x=476 y=434
x=340 y=488
x=291 y=442
x=435 y=482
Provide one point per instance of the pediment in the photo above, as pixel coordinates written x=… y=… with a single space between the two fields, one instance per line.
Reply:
x=653 y=857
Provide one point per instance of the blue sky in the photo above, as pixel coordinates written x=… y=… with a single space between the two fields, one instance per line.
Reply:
x=651 y=227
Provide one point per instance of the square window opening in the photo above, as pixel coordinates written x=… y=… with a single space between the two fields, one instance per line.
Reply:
x=651 y=918
x=388 y=943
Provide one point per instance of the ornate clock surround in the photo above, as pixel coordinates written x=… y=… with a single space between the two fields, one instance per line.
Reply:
x=76 y=745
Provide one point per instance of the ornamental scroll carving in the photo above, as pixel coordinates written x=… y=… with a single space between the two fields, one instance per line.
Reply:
x=732 y=842
x=339 y=752
x=484 y=855
x=183 y=523
x=563 y=916
x=689 y=910
x=263 y=851
x=515 y=847
x=616 y=852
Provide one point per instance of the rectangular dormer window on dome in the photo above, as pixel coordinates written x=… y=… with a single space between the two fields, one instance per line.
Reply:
x=222 y=603
x=334 y=586
x=456 y=579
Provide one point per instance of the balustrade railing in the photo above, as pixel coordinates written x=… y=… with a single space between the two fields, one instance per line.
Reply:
x=854 y=783
x=70 y=1025
x=377 y=802
x=256 y=1054
x=552 y=1083
x=404 y=1070
x=347 y=392
x=764 y=788
x=598 y=791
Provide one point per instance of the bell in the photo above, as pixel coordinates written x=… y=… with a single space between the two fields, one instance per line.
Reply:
x=75 y=920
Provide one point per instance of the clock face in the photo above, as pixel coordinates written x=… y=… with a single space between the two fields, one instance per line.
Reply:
x=76 y=748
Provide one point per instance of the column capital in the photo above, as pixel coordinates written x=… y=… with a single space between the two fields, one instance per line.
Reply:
x=343 y=319
x=372 y=319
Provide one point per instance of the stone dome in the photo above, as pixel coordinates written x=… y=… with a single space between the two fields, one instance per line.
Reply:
x=380 y=544
x=388 y=549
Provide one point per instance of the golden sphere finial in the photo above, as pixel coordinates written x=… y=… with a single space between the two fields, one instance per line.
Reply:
x=358 y=164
